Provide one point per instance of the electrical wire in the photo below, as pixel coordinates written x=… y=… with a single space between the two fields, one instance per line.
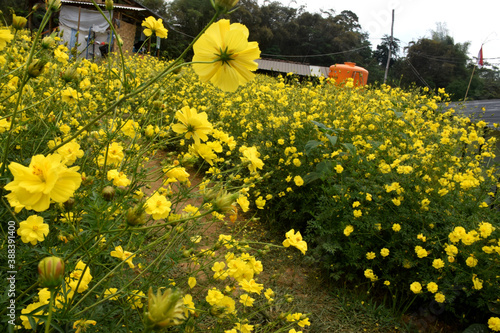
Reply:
x=313 y=55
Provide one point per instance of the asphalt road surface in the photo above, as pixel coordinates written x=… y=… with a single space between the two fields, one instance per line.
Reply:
x=473 y=110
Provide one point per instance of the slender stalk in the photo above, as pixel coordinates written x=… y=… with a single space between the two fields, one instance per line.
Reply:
x=51 y=309
x=25 y=79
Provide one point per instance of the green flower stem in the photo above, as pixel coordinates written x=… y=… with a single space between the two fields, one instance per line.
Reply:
x=160 y=225
x=172 y=67
x=25 y=79
x=160 y=256
x=118 y=42
x=51 y=309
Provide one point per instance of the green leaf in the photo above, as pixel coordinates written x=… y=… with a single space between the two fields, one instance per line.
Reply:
x=324 y=167
x=333 y=139
x=495 y=308
x=310 y=145
x=310 y=177
x=350 y=147
x=476 y=328
x=320 y=125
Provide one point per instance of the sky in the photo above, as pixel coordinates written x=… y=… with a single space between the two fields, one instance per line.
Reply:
x=477 y=22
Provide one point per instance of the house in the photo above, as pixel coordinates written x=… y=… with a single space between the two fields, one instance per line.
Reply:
x=82 y=23
x=273 y=66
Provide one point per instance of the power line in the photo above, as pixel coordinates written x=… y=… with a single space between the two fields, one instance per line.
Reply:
x=314 y=55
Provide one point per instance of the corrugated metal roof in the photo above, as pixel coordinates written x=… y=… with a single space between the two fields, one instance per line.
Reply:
x=117 y=6
x=290 y=67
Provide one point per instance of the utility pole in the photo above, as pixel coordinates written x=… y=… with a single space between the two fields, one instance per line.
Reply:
x=390 y=48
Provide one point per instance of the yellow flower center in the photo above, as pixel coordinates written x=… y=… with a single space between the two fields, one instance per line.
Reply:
x=38 y=172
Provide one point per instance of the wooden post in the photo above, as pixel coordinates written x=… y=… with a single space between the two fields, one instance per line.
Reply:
x=473 y=69
x=79 y=13
x=390 y=51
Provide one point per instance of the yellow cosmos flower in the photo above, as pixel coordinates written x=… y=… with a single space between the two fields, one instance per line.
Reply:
x=432 y=287
x=5 y=37
x=193 y=124
x=154 y=26
x=29 y=310
x=251 y=155
x=135 y=299
x=192 y=282
x=115 y=154
x=298 y=181
x=251 y=286
x=204 y=151
x=188 y=304
x=243 y=202
x=79 y=278
x=123 y=255
x=82 y=324
x=438 y=263
x=416 y=287
x=112 y=293
x=118 y=178
x=246 y=300
x=158 y=206
x=260 y=202
x=70 y=152
x=494 y=324
x=439 y=297
x=348 y=230
x=295 y=240
x=477 y=283
x=33 y=230
x=45 y=179
x=228 y=58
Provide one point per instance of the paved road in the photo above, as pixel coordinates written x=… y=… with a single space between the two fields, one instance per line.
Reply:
x=473 y=109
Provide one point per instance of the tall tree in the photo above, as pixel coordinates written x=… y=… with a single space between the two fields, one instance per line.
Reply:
x=438 y=62
x=382 y=51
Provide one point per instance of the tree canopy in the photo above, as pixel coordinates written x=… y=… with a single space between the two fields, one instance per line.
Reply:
x=323 y=39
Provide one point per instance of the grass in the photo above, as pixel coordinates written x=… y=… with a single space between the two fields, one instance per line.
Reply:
x=332 y=306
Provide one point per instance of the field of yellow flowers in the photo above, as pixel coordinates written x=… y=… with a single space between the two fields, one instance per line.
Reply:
x=385 y=185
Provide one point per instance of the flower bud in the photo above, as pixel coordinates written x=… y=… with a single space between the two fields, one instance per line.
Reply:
x=225 y=5
x=108 y=193
x=70 y=74
x=48 y=42
x=221 y=200
x=53 y=5
x=109 y=5
x=51 y=272
x=164 y=309
x=217 y=311
x=36 y=67
x=68 y=204
x=18 y=22
x=136 y=216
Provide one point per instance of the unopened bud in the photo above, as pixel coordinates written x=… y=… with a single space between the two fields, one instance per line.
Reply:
x=68 y=204
x=136 y=216
x=36 y=67
x=18 y=22
x=51 y=272
x=70 y=74
x=53 y=5
x=48 y=42
x=108 y=193
x=225 y=5
x=109 y=5
x=164 y=309
x=217 y=311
